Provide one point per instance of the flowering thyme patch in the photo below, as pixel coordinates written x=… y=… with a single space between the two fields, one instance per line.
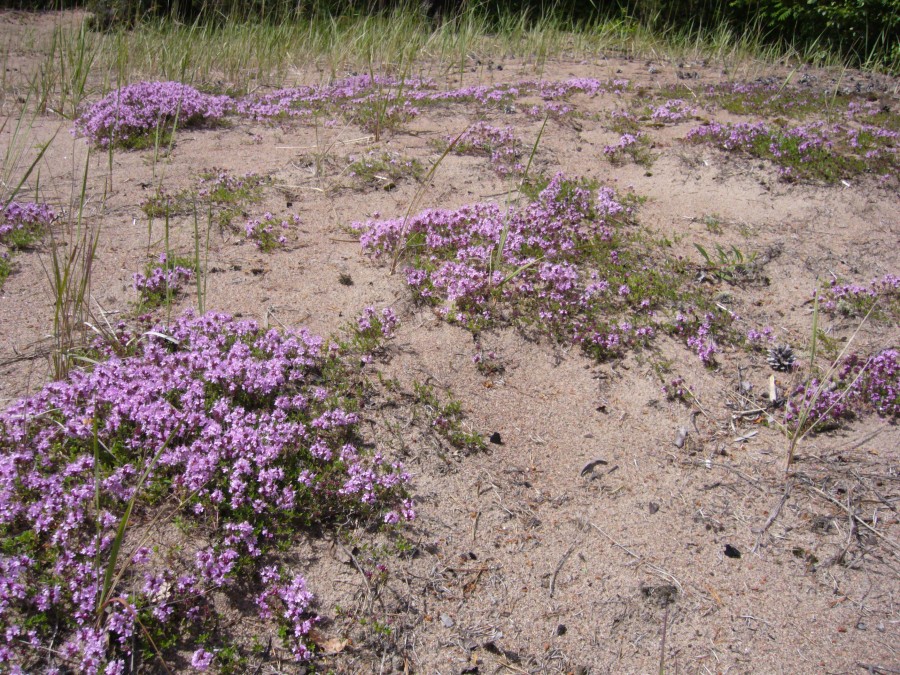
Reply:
x=365 y=99
x=382 y=168
x=269 y=232
x=218 y=191
x=129 y=116
x=246 y=436
x=634 y=146
x=162 y=280
x=817 y=150
x=858 y=299
x=571 y=265
x=861 y=385
x=671 y=111
x=22 y=225
x=501 y=145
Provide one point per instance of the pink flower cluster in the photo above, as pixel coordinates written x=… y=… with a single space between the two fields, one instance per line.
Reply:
x=138 y=109
x=501 y=145
x=672 y=111
x=862 y=384
x=841 y=296
x=160 y=279
x=235 y=424
x=538 y=277
x=268 y=232
x=628 y=145
x=814 y=150
x=22 y=222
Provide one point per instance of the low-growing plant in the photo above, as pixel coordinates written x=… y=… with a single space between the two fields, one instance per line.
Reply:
x=728 y=264
x=162 y=280
x=624 y=122
x=384 y=168
x=268 y=232
x=217 y=190
x=23 y=225
x=859 y=385
x=5 y=267
x=570 y=266
x=371 y=330
x=713 y=223
x=813 y=151
x=634 y=147
x=768 y=99
x=248 y=435
x=501 y=145
x=675 y=390
x=128 y=117
x=856 y=300
x=445 y=418
x=671 y=111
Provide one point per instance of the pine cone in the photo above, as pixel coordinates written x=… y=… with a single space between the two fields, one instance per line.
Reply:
x=782 y=358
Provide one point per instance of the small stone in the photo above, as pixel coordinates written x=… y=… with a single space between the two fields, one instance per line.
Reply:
x=561 y=629
x=653 y=507
x=447 y=621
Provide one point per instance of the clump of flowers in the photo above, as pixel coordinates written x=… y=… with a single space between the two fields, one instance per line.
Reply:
x=757 y=339
x=858 y=299
x=561 y=264
x=815 y=150
x=675 y=390
x=624 y=122
x=634 y=146
x=699 y=334
x=385 y=101
x=384 y=167
x=501 y=145
x=861 y=384
x=672 y=112
x=372 y=329
x=380 y=110
x=268 y=232
x=217 y=190
x=23 y=224
x=220 y=187
x=130 y=114
x=247 y=435
x=163 y=280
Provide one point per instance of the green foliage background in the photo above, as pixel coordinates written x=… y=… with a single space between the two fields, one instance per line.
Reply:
x=861 y=32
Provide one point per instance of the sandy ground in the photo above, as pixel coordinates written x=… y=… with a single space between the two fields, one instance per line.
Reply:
x=522 y=562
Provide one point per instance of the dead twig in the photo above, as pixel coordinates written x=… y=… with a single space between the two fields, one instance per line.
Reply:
x=662 y=645
x=562 y=561
x=854 y=532
x=640 y=559
x=709 y=464
x=359 y=568
x=878 y=670
x=891 y=545
x=774 y=515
